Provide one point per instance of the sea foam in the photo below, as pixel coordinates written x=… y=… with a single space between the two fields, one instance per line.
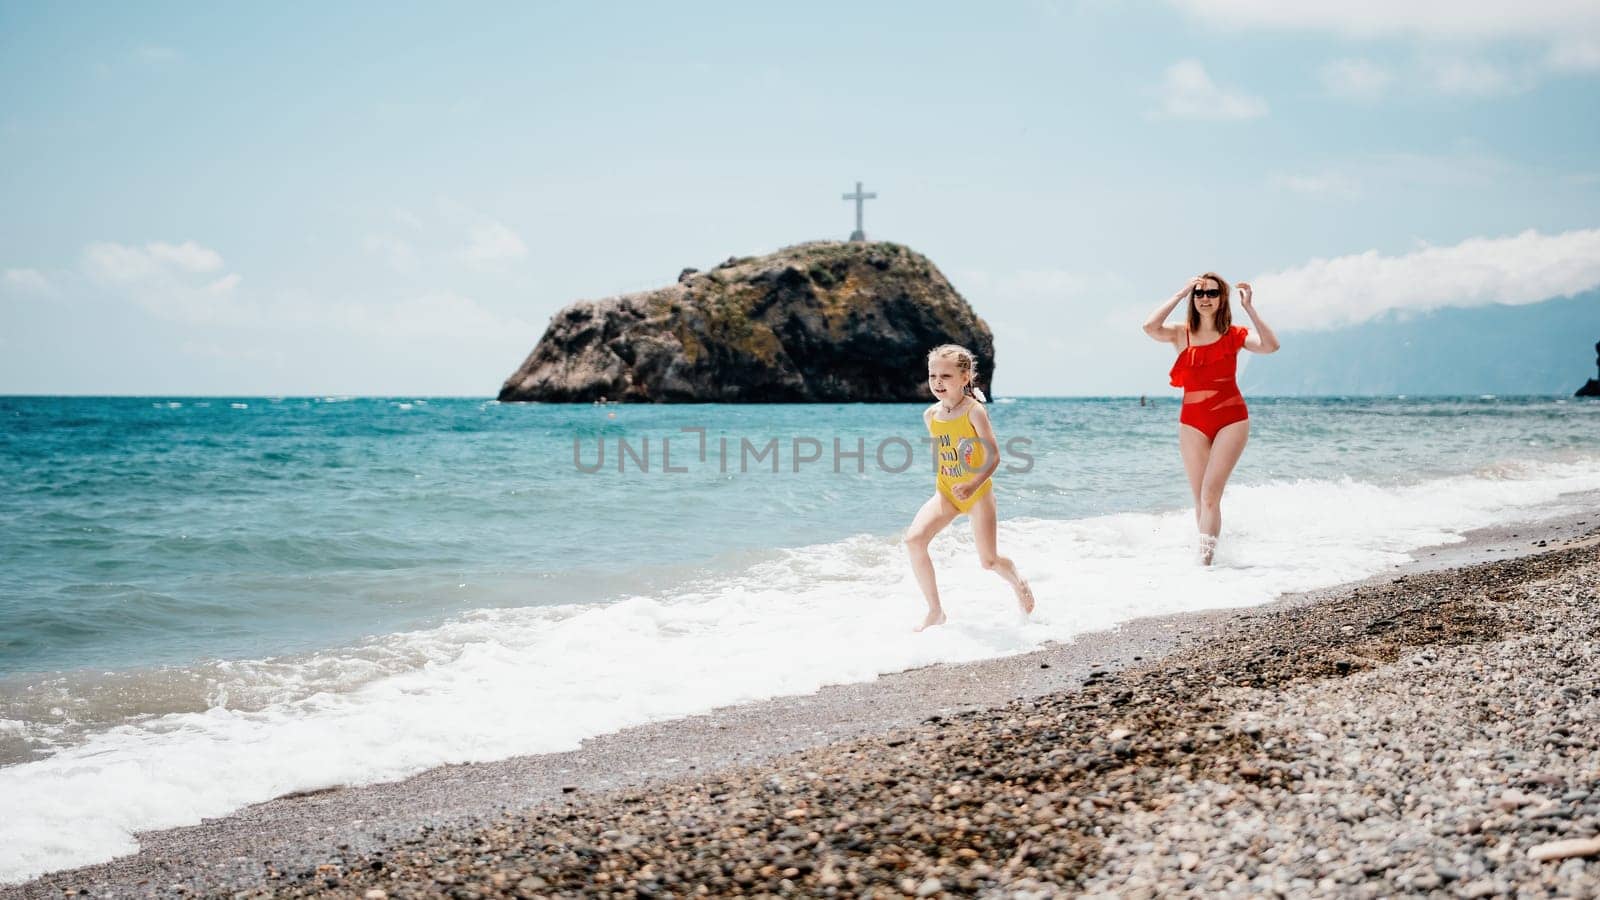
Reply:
x=502 y=682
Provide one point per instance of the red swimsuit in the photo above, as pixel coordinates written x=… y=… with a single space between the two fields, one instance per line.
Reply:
x=1211 y=398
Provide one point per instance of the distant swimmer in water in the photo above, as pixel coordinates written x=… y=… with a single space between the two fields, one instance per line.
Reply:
x=968 y=456
x=1214 y=422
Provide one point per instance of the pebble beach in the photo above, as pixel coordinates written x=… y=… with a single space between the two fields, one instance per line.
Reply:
x=1422 y=734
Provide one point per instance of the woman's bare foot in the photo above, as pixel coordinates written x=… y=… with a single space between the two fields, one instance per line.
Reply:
x=935 y=617
x=1208 y=549
x=1024 y=596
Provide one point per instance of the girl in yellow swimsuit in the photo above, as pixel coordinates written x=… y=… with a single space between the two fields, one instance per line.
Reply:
x=968 y=455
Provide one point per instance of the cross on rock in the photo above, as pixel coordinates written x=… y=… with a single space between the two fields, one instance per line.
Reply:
x=859 y=234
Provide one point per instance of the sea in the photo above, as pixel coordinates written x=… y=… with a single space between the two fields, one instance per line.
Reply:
x=206 y=602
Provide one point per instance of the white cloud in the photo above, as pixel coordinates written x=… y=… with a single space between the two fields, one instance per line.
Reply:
x=110 y=261
x=188 y=256
x=1187 y=92
x=1449 y=19
x=225 y=284
x=180 y=282
x=1575 y=54
x=1474 y=77
x=30 y=281
x=491 y=243
x=1356 y=79
x=1565 y=35
x=1346 y=290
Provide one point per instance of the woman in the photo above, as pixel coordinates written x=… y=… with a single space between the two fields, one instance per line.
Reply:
x=1214 y=423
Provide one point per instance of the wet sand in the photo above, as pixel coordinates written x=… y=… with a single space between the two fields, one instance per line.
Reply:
x=1040 y=723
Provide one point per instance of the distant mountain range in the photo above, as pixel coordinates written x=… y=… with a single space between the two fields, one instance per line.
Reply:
x=1539 y=348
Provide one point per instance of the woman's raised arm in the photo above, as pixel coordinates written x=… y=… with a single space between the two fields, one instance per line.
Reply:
x=1156 y=326
x=1263 y=341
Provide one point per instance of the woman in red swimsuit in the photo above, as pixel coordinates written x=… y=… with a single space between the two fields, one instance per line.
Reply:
x=1214 y=423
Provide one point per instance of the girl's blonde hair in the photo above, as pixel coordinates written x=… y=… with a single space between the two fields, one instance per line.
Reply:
x=966 y=361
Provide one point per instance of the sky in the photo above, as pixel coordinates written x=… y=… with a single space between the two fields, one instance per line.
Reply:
x=295 y=198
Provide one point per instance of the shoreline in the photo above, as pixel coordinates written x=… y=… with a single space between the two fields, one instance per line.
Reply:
x=290 y=836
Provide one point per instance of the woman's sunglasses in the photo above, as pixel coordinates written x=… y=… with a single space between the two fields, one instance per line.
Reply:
x=1214 y=292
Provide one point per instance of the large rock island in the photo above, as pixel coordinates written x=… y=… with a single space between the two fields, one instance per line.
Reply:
x=818 y=322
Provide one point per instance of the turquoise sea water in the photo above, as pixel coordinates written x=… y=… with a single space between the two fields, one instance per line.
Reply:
x=209 y=602
x=141 y=531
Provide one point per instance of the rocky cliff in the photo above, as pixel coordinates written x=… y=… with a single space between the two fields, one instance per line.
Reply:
x=1591 y=388
x=817 y=322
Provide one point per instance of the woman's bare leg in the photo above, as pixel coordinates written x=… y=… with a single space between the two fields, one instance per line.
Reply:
x=930 y=520
x=1225 y=452
x=984 y=530
x=1196 y=450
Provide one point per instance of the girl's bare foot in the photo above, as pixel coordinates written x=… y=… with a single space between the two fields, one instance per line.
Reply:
x=935 y=617
x=1208 y=549
x=1024 y=596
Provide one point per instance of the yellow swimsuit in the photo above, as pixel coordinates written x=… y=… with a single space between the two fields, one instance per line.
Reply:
x=956 y=440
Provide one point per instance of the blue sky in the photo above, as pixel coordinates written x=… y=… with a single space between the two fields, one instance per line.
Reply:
x=290 y=199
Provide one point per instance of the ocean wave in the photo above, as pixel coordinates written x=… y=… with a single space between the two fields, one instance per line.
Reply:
x=494 y=683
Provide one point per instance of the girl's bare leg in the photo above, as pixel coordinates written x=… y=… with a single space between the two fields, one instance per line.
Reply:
x=984 y=528
x=1225 y=452
x=930 y=520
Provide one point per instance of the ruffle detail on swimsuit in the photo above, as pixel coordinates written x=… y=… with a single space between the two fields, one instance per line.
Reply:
x=1222 y=350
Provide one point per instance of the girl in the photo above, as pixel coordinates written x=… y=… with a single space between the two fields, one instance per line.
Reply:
x=1214 y=423
x=968 y=455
